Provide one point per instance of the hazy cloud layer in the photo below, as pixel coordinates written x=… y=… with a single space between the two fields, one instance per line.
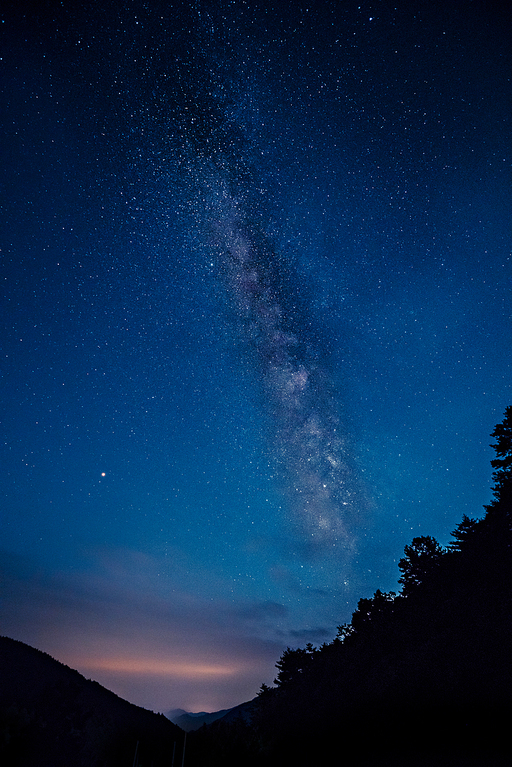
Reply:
x=152 y=642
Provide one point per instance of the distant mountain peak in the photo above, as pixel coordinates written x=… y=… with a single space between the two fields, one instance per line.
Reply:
x=189 y=721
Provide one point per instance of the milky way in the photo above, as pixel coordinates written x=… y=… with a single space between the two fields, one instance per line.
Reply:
x=307 y=441
x=306 y=437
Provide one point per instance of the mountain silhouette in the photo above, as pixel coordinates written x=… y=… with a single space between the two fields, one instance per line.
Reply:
x=51 y=716
x=193 y=721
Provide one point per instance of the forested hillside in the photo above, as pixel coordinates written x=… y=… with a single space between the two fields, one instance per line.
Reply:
x=51 y=716
x=419 y=677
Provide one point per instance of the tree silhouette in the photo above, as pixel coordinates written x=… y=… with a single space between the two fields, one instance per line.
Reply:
x=502 y=466
x=423 y=677
x=421 y=560
x=464 y=533
x=371 y=612
x=293 y=664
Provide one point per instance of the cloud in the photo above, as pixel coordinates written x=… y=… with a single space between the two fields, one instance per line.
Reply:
x=152 y=642
x=161 y=668
x=315 y=635
x=261 y=611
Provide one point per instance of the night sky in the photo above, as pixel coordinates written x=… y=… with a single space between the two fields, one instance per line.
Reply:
x=256 y=325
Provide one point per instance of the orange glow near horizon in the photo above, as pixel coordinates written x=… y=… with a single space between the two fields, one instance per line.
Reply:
x=180 y=669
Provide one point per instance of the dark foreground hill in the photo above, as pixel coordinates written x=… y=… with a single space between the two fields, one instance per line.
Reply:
x=51 y=716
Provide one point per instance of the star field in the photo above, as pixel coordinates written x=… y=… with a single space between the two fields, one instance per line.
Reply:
x=256 y=322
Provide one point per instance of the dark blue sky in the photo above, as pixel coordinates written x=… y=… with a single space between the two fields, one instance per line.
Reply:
x=256 y=267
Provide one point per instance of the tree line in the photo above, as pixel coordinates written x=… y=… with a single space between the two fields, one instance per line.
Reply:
x=418 y=677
